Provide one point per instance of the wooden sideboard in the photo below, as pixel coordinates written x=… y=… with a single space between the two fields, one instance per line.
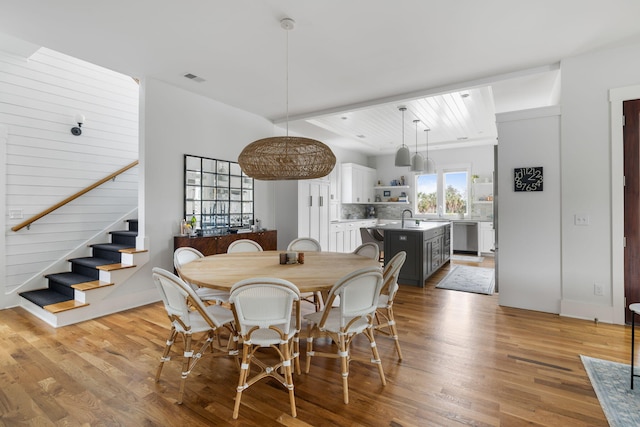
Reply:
x=211 y=245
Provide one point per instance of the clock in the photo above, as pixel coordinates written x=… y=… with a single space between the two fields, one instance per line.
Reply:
x=527 y=179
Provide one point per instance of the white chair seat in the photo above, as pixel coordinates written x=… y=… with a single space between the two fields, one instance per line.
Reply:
x=212 y=294
x=332 y=323
x=224 y=315
x=268 y=337
x=383 y=301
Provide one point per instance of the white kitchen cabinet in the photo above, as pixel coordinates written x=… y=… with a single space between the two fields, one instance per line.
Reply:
x=313 y=210
x=487 y=237
x=336 y=237
x=357 y=183
x=345 y=236
x=351 y=237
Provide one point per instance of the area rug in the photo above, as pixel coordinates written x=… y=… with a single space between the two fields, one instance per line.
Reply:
x=469 y=279
x=611 y=382
x=467 y=258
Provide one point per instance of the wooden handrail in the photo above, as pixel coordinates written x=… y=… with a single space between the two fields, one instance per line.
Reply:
x=72 y=198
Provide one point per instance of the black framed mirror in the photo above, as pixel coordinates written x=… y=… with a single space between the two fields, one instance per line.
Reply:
x=218 y=194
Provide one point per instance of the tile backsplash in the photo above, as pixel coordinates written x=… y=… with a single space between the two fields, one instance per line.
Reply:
x=390 y=211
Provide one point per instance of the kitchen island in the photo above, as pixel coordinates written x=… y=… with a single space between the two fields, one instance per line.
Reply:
x=427 y=244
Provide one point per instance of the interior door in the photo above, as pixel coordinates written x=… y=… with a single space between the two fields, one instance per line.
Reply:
x=631 y=110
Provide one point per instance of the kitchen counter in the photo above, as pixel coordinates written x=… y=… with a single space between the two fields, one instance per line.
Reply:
x=342 y=221
x=411 y=225
x=427 y=244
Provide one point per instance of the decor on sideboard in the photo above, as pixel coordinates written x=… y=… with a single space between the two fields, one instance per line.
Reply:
x=287 y=157
x=403 y=155
x=417 y=161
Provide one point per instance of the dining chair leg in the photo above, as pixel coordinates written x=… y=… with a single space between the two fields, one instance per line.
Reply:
x=242 y=381
x=394 y=332
x=309 y=350
x=296 y=353
x=165 y=353
x=376 y=356
x=344 y=361
x=288 y=377
x=185 y=365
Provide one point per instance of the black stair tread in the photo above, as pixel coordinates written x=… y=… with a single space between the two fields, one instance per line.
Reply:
x=44 y=297
x=113 y=247
x=92 y=262
x=69 y=278
x=125 y=233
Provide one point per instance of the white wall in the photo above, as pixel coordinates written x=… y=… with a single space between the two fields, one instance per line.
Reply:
x=586 y=178
x=529 y=222
x=44 y=163
x=178 y=122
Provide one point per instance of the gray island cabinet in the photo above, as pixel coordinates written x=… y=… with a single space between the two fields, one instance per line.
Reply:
x=427 y=244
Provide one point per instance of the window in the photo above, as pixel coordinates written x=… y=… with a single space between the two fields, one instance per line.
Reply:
x=443 y=193
x=427 y=194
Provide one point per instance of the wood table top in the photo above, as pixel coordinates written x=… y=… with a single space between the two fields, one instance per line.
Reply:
x=318 y=273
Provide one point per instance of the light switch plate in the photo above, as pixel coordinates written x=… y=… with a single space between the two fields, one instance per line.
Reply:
x=581 y=219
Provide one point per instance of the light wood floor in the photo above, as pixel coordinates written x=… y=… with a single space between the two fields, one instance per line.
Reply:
x=467 y=362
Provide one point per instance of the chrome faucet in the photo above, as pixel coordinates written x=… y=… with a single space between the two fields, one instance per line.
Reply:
x=403 y=212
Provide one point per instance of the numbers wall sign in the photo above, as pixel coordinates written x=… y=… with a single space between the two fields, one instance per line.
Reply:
x=528 y=179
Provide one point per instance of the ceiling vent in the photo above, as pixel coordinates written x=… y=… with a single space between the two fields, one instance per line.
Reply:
x=194 y=77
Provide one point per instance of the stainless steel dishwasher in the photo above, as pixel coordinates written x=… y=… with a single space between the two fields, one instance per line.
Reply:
x=465 y=237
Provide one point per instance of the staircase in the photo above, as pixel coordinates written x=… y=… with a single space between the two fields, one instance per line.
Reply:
x=90 y=279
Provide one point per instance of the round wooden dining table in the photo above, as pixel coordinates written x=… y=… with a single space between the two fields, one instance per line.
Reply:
x=318 y=273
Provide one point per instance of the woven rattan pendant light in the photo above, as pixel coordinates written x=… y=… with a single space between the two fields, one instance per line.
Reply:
x=403 y=155
x=286 y=157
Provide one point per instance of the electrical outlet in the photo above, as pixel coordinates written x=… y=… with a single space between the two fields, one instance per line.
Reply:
x=15 y=213
x=597 y=290
x=581 y=219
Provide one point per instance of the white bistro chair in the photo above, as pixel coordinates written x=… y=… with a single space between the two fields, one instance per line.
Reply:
x=244 y=245
x=185 y=255
x=385 y=319
x=263 y=308
x=189 y=316
x=304 y=244
x=368 y=249
x=359 y=293
x=308 y=244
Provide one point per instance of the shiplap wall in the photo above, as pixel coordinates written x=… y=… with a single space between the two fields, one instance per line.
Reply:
x=45 y=163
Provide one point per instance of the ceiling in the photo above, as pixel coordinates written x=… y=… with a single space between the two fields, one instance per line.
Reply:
x=351 y=64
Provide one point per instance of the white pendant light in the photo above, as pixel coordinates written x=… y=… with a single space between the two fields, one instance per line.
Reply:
x=286 y=157
x=430 y=165
x=403 y=155
x=417 y=161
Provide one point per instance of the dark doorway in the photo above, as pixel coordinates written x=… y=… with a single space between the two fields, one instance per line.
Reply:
x=631 y=111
